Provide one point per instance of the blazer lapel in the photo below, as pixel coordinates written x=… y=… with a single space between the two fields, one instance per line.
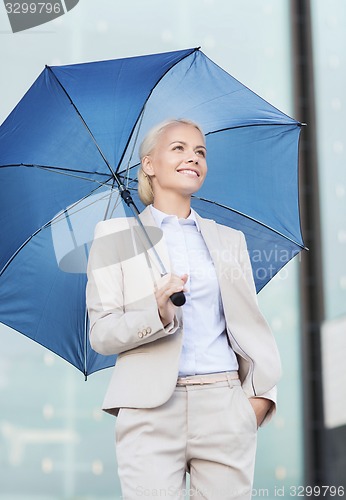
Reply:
x=231 y=279
x=212 y=240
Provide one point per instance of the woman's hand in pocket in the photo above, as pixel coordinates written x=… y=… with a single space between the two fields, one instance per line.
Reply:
x=261 y=406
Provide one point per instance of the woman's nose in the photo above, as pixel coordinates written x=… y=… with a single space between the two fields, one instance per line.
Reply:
x=192 y=158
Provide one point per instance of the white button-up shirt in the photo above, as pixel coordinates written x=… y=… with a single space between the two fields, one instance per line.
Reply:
x=205 y=346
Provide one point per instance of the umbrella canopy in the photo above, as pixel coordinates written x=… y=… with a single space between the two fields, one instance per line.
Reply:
x=80 y=126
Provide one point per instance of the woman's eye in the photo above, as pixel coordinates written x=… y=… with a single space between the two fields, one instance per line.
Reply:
x=179 y=147
x=200 y=152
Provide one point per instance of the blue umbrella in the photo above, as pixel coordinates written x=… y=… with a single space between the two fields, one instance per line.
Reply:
x=70 y=147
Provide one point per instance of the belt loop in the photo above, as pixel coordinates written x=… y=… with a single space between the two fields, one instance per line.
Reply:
x=231 y=380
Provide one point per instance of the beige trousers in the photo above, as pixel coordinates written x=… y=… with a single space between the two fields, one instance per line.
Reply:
x=208 y=430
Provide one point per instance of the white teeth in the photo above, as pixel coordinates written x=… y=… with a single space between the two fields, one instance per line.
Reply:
x=188 y=172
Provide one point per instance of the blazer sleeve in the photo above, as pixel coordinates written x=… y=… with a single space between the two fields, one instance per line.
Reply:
x=114 y=326
x=272 y=396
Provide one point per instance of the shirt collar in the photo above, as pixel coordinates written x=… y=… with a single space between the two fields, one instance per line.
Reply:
x=161 y=216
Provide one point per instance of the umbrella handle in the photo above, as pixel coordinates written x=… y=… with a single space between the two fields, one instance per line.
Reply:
x=178 y=298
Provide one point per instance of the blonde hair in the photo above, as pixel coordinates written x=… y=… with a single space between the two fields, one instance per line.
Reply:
x=145 y=188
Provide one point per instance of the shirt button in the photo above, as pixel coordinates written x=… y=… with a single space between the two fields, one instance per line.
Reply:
x=148 y=330
x=140 y=335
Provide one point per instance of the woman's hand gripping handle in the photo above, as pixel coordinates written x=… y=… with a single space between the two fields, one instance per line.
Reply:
x=169 y=295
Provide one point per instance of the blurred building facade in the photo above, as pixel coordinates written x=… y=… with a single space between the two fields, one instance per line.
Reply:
x=55 y=443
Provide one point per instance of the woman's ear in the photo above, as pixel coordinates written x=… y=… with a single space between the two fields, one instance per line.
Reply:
x=147 y=166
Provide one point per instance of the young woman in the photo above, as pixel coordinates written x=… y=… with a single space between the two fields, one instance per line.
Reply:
x=191 y=384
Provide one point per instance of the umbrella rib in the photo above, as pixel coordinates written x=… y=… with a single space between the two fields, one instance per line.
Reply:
x=250 y=89
x=297 y=124
x=97 y=146
x=85 y=346
x=52 y=221
x=52 y=167
x=83 y=121
x=65 y=171
x=62 y=171
x=147 y=99
x=253 y=219
x=56 y=219
x=247 y=216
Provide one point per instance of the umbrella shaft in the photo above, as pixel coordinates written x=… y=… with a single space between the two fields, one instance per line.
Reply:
x=177 y=298
x=126 y=196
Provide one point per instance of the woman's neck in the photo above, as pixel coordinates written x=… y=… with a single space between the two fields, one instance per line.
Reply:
x=172 y=205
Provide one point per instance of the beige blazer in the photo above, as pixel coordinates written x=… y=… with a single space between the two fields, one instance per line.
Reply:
x=124 y=318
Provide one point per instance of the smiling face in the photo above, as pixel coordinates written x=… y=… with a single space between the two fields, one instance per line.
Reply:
x=177 y=165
